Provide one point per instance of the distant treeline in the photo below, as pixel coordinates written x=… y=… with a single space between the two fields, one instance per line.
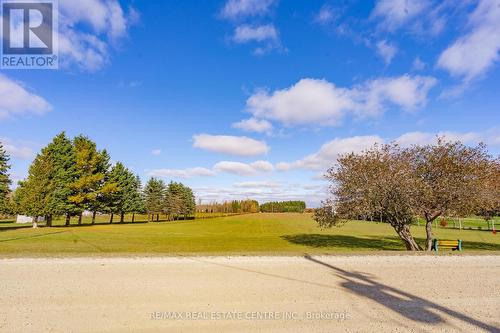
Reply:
x=235 y=206
x=283 y=207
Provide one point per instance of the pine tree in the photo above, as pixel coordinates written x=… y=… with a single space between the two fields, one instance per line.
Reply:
x=154 y=197
x=4 y=180
x=33 y=194
x=63 y=176
x=90 y=167
x=134 y=202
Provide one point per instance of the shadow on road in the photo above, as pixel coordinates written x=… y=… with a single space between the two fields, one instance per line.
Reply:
x=410 y=306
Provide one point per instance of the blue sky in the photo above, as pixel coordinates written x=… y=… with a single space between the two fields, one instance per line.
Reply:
x=257 y=98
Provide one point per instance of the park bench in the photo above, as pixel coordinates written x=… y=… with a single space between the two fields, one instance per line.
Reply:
x=447 y=244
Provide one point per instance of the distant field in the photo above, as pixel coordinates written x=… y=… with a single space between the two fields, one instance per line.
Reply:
x=257 y=234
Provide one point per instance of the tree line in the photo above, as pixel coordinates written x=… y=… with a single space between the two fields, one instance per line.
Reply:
x=283 y=207
x=174 y=200
x=397 y=185
x=234 y=207
x=69 y=177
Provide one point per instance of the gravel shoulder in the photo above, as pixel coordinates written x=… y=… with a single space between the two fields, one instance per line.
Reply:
x=280 y=294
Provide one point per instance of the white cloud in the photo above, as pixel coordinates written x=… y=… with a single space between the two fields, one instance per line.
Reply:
x=16 y=100
x=471 y=55
x=330 y=151
x=254 y=125
x=308 y=101
x=490 y=137
x=87 y=28
x=386 y=51
x=248 y=33
x=396 y=13
x=406 y=92
x=235 y=9
x=312 y=101
x=243 y=169
x=325 y=15
x=233 y=145
x=182 y=173
x=19 y=149
x=258 y=184
x=156 y=152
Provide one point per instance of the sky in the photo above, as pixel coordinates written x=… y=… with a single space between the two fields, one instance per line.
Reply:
x=257 y=98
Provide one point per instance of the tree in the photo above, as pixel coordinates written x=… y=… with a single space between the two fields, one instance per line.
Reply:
x=62 y=176
x=32 y=195
x=154 y=198
x=5 y=181
x=179 y=200
x=188 y=201
x=451 y=179
x=173 y=205
x=283 y=207
x=91 y=166
x=134 y=202
x=127 y=198
x=378 y=181
x=490 y=194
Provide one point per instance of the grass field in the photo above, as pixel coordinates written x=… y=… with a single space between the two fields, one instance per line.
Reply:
x=252 y=234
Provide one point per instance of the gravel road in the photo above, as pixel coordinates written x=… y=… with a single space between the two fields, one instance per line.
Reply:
x=277 y=294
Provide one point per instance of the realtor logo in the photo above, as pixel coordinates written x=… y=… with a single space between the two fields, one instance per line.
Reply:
x=29 y=36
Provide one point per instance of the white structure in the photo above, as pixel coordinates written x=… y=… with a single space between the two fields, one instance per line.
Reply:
x=26 y=219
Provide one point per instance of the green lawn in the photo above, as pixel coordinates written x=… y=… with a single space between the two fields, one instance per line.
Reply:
x=265 y=234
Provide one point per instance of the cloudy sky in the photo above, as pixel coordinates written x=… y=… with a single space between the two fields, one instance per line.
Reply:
x=257 y=98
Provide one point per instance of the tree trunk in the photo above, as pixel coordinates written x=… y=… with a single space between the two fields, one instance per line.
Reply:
x=429 y=218
x=35 y=222
x=133 y=217
x=122 y=217
x=49 y=221
x=404 y=233
x=157 y=217
x=93 y=216
x=80 y=219
x=111 y=218
x=68 y=219
x=428 y=231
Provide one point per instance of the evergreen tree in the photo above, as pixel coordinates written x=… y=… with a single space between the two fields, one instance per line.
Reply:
x=127 y=197
x=188 y=201
x=63 y=175
x=4 y=181
x=179 y=200
x=154 y=197
x=90 y=167
x=134 y=202
x=33 y=194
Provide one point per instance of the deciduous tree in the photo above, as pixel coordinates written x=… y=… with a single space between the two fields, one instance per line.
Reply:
x=377 y=181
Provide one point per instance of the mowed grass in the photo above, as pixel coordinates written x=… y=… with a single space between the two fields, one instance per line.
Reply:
x=251 y=234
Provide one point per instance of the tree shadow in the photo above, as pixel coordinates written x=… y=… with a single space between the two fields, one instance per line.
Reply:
x=31 y=236
x=410 y=306
x=320 y=241
x=7 y=228
x=93 y=225
x=386 y=243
